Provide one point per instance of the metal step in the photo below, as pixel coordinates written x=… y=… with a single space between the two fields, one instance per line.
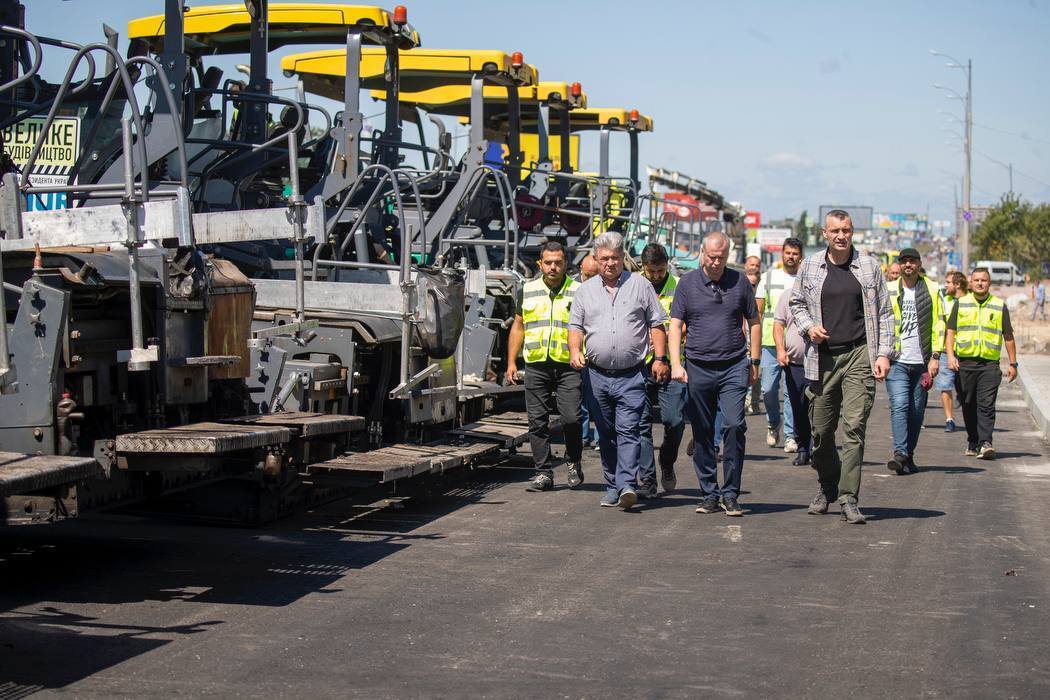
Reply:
x=306 y=425
x=507 y=429
x=202 y=439
x=22 y=473
x=401 y=461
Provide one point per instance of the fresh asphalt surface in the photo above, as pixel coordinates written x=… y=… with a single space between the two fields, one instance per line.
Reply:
x=486 y=589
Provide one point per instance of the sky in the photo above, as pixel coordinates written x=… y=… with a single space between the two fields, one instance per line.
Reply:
x=782 y=106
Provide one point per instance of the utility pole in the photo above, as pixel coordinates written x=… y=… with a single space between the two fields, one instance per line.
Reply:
x=968 y=175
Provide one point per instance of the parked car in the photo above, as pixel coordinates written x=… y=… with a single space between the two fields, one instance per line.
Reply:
x=1002 y=272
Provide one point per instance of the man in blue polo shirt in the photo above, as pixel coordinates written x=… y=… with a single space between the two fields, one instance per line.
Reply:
x=720 y=364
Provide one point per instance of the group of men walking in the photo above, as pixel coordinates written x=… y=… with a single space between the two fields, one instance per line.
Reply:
x=633 y=346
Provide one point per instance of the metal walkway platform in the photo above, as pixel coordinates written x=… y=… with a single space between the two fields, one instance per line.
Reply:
x=306 y=425
x=202 y=439
x=402 y=461
x=22 y=473
x=507 y=429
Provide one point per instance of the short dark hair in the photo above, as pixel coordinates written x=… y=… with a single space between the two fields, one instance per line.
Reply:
x=793 y=243
x=654 y=254
x=552 y=247
x=980 y=269
x=838 y=214
x=960 y=281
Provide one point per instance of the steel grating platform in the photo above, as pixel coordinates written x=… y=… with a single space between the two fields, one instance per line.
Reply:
x=402 y=461
x=22 y=473
x=508 y=429
x=202 y=439
x=306 y=425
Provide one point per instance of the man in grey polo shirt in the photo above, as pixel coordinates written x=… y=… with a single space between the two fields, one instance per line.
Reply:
x=619 y=315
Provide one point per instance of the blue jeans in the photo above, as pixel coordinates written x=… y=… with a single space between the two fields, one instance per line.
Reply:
x=771 y=393
x=670 y=397
x=907 y=405
x=714 y=386
x=587 y=426
x=617 y=405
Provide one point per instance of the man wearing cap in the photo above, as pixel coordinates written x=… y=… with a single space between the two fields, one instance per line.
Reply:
x=919 y=331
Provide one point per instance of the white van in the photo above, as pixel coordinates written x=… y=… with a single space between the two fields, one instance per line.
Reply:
x=1002 y=272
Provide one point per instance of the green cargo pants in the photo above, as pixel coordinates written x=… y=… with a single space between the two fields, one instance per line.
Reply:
x=846 y=392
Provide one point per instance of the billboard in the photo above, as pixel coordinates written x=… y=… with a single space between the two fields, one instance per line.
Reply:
x=753 y=219
x=684 y=206
x=915 y=223
x=861 y=216
x=58 y=153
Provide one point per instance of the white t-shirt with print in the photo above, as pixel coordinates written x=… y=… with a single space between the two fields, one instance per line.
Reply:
x=911 y=350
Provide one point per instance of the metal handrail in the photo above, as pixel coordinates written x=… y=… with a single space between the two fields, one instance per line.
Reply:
x=37 y=60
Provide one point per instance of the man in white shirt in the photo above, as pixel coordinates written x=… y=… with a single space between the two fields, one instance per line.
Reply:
x=772 y=285
x=919 y=341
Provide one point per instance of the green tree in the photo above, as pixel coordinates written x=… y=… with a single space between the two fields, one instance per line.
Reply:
x=1002 y=232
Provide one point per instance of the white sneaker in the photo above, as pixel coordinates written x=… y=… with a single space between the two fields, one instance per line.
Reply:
x=790 y=445
x=772 y=436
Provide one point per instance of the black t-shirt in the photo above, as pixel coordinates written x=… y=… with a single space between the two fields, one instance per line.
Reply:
x=842 y=305
x=953 y=322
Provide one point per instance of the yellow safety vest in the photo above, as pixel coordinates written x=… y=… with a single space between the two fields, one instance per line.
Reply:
x=547 y=321
x=979 y=327
x=666 y=297
x=937 y=320
x=772 y=298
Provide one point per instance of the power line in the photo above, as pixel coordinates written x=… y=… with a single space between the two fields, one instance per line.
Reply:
x=1026 y=137
x=1001 y=163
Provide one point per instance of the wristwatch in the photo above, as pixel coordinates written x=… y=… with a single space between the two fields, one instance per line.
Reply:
x=755 y=363
x=1014 y=365
x=661 y=358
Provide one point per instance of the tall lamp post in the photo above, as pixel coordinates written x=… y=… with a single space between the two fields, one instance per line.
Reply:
x=964 y=234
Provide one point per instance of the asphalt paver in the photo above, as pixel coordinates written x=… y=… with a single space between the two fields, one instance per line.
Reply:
x=485 y=589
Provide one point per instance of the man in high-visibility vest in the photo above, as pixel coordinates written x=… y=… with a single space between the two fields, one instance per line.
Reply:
x=770 y=288
x=541 y=326
x=955 y=286
x=919 y=332
x=977 y=329
x=669 y=396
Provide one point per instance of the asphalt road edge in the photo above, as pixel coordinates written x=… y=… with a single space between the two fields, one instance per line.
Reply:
x=1031 y=369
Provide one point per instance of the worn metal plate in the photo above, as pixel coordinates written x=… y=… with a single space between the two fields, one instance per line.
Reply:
x=508 y=429
x=22 y=473
x=381 y=466
x=202 y=439
x=340 y=297
x=305 y=424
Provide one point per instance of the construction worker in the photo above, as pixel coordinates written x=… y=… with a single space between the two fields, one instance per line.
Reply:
x=955 y=286
x=541 y=326
x=669 y=396
x=977 y=328
x=919 y=333
x=770 y=288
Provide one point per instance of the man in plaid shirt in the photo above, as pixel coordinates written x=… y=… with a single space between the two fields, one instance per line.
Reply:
x=841 y=305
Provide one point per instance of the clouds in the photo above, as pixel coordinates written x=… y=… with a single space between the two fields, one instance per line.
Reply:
x=786 y=161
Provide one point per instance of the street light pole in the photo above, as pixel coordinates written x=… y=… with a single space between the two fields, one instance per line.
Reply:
x=964 y=234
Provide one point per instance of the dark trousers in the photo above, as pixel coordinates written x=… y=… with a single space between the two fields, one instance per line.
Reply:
x=795 y=378
x=617 y=405
x=669 y=398
x=979 y=384
x=551 y=386
x=714 y=386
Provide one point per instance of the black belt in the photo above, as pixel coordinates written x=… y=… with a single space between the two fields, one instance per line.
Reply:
x=616 y=372
x=845 y=347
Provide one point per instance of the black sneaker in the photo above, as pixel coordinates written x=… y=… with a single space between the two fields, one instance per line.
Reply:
x=801 y=458
x=668 y=480
x=912 y=467
x=986 y=451
x=645 y=491
x=731 y=507
x=709 y=505
x=540 y=482
x=575 y=474
x=898 y=464
x=819 y=504
x=851 y=512
x=689 y=448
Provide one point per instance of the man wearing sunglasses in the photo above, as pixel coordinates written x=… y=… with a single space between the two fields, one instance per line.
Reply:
x=919 y=336
x=719 y=365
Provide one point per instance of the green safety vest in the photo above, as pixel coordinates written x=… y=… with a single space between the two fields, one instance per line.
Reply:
x=979 y=327
x=546 y=321
x=937 y=320
x=772 y=298
x=666 y=297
